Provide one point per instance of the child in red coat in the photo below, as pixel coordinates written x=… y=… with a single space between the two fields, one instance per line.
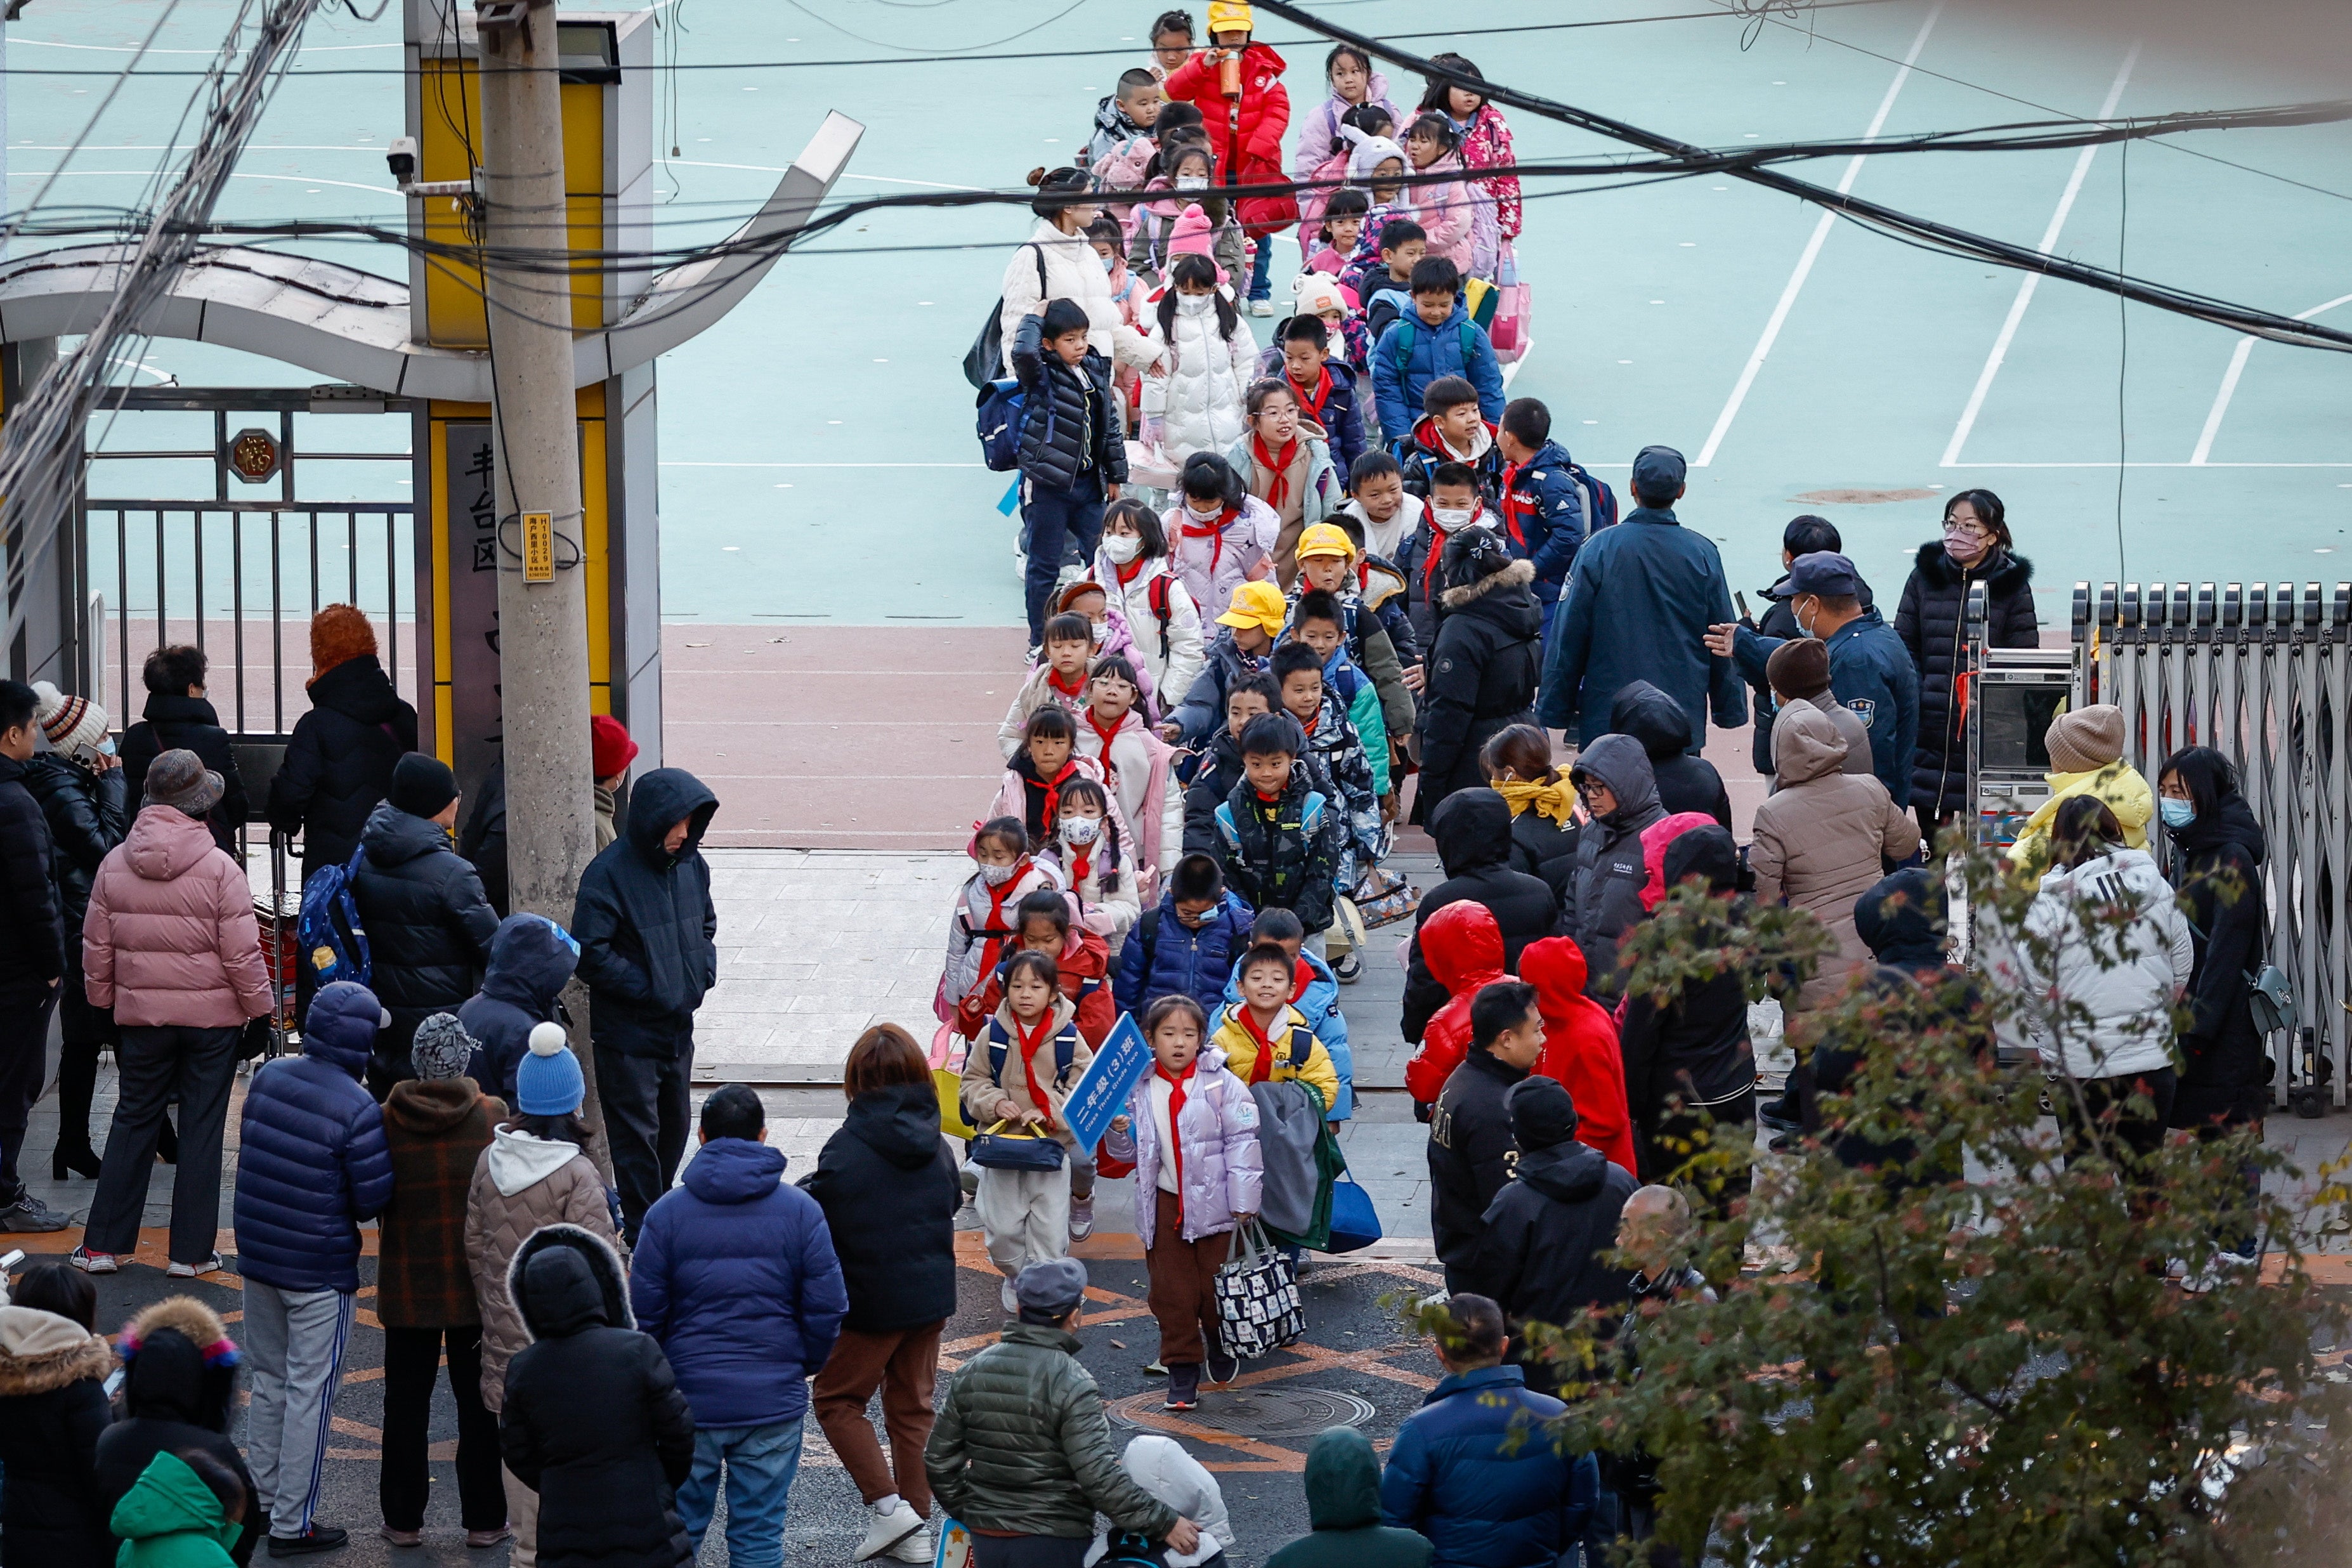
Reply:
x=1081 y=958
x=1462 y=947
x=1581 y=1048
x=1237 y=84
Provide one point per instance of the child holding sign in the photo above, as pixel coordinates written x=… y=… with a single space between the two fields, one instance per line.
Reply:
x=1191 y=1132
x=1021 y=1072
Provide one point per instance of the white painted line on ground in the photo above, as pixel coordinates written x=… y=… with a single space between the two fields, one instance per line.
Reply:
x=1511 y=370
x=771 y=169
x=2230 y=384
x=1796 y=283
x=2027 y=284
x=2109 y=463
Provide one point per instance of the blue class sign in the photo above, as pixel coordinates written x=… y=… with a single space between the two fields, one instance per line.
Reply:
x=1102 y=1090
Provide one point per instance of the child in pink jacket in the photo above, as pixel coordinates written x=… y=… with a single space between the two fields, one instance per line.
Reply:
x=1447 y=210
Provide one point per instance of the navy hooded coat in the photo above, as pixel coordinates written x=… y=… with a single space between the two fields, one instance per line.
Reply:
x=531 y=959
x=647 y=927
x=313 y=1161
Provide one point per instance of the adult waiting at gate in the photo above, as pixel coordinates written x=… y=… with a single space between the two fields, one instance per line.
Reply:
x=178 y=718
x=171 y=944
x=78 y=783
x=1932 y=621
x=427 y=920
x=32 y=956
x=649 y=950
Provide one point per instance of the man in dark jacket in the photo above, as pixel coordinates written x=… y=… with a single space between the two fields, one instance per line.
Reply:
x=1473 y=833
x=1689 y=1064
x=178 y=718
x=531 y=961
x=1481 y=671
x=427 y=920
x=1652 y=1233
x=649 y=951
x=1605 y=891
x=1804 y=534
x=32 y=958
x=1638 y=608
x=1021 y=1455
x=1542 y=504
x=734 y=1276
x=312 y=1164
x=1548 y=1228
x=1685 y=781
x=1470 y=1148
x=1187 y=945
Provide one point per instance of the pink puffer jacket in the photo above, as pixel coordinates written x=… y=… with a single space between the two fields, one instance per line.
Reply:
x=171 y=937
x=1224 y=1173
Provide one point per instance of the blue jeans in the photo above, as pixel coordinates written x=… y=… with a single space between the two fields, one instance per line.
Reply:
x=760 y=1464
x=1260 y=270
x=1057 y=518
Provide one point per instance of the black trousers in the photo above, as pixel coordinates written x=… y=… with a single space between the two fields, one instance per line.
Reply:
x=154 y=1061
x=24 y=1065
x=646 y=1112
x=412 y=1362
x=2105 y=1098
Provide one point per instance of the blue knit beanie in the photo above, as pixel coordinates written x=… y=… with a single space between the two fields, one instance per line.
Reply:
x=548 y=1080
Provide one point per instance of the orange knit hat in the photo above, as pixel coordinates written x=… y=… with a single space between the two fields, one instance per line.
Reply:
x=339 y=634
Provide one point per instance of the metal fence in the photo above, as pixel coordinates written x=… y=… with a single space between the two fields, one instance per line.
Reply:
x=2263 y=674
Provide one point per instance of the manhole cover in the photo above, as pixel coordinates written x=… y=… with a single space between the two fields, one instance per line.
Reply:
x=1263 y=1412
x=1862 y=498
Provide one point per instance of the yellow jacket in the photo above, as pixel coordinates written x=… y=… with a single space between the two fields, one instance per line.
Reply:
x=1234 y=1039
x=2118 y=784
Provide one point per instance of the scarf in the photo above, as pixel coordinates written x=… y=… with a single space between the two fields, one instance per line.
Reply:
x=1215 y=531
x=1082 y=862
x=1301 y=981
x=1512 y=510
x=1070 y=693
x=1262 y=1070
x=1312 y=401
x=1111 y=769
x=1437 y=538
x=1276 y=467
x=1052 y=810
x=1128 y=573
x=994 y=927
x=1030 y=1041
x=1176 y=1086
x=1556 y=801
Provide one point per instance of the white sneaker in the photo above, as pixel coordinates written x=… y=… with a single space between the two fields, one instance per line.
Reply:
x=890 y=1531
x=190 y=1270
x=915 y=1547
x=1010 y=1298
x=1261 y=307
x=1082 y=1218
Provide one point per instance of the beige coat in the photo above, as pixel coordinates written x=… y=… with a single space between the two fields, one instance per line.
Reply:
x=520 y=1184
x=991 y=1100
x=1820 y=838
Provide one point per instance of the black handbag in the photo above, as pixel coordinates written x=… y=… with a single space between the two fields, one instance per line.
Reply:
x=984 y=361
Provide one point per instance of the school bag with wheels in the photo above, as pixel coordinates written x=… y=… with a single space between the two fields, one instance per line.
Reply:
x=984 y=361
x=1258 y=1309
x=334 y=945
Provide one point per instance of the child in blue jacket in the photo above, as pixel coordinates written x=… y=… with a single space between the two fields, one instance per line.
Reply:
x=1184 y=945
x=1436 y=339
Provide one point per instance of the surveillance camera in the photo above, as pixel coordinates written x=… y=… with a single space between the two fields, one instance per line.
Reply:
x=401 y=158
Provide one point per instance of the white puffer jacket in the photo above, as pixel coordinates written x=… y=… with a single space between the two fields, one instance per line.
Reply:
x=1197 y=397
x=1174 y=660
x=2072 y=955
x=1073 y=273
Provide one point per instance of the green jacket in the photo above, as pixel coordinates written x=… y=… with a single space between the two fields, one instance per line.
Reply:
x=1343 y=1504
x=1021 y=1444
x=170 y=1519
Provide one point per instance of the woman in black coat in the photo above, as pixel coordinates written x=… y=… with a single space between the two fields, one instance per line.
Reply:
x=1519 y=767
x=53 y=1373
x=179 y=1385
x=2217 y=863
x=339 y=761
x=1932 y=622
x=178 y=718
x=82 y=796
x=593 y=1422
x=1472 y=832
x=886 y=1182
x=1480 y=674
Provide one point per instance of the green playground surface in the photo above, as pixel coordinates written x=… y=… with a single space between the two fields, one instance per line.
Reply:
x=818 y=458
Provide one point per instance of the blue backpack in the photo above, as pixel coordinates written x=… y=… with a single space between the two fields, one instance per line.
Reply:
x=1002 y=405
x=334 y=945
x=1600 y=501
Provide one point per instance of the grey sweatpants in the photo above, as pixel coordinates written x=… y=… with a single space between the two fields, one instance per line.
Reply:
x=1026 y=1214
x=294 y=1344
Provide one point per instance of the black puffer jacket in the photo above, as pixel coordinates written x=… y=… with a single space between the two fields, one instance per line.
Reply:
x=1472 y=832
x=86 y=818
x=32 y=940
x=1695 y=1047
x=178 y=1385
x=1546 y=1233
x=1470 y=1154
x=185 y=724
x=52 y=1409
x=1604 y=897
x=646 y=928
x=428 y=930
x=340 y=760
x=531 y=959
x=592 y=1421
x=2215 y=856
x=1480 y=678
x=1070 y=421
x=1545 y=849
x=1935 y=601
x=888 y=1185
x=1289 y=865
x=1685 y=781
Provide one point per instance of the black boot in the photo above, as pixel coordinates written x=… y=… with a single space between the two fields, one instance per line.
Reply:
x=77 y=1083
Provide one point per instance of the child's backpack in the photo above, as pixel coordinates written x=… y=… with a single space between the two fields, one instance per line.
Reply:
x=334 y=945
x=1000 y=409
x=1600 y=501
x=1408 y=326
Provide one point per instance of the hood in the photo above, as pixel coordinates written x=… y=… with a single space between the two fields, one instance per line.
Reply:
x=2095 y=880
x=2002 y=573
x=164 y=708
x=564 y=1279
x=179 y=1364
x=395 y=837
x=1623 y=764
x=1902 y=918
x=899 y=1121
x=357 y=688
x=427 y=1108
x=1086 y=955
x=1652 y=718
x=1706 y=852
x=532 y=959
x=1805 y=745
x=1495 y=585
x=341 y=1027
x=1342 y=1481
x=657 y=803
x=170 y=1498
x=1462 y=946
x=166 y=843
x=520 y=1162
x=2232 y=821
x=1656 y=839
x=1471 y=828
x=734 y=1171
x=1569 y=1173
x=1556 y=968
x=41 y=1351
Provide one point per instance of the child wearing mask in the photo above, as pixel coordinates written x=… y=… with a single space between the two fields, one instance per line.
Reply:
x=981 y=924
x=1288 y=466
x=1280 y=838
x=1220 y=535
x=1219 y=766
x=1183 y=945
x=1313 y=991
x=1095 y=862
x=1189 y=1134
x=1128 y=293
x=1457 y=502
x=1058 y=680
x=1368 y=602
x=1125 y=115
x=1043 y=923
x=1046 y=764
x=1135 y=763
x=1321 y=384
x=1020 y=1073
x=1073 y=442
x=1337 y=754
x=1139 y=580
x=1204 y=354
x=1484 y=140
x=1268 y=1040
x=1379 y=504
x=1436 y=342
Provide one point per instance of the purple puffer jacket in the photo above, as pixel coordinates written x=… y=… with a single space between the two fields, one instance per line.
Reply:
x=1223 y=1172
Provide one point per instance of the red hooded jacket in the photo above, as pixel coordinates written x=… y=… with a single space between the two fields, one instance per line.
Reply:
x=1462 y=947
x=1084 y=967
x=1265 y=113
x=1581 y=1048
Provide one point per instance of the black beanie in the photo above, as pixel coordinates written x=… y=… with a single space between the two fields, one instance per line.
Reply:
x=1542 y=1114
x=421 y=786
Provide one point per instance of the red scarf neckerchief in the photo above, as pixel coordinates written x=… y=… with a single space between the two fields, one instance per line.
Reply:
x=1029 y=1042
x=1111 y=769
x=1175 y=1113
x=1303 y=978
x=1071 y=692
x=992 y=948
x=1053 y=788
x=1313 y=401
x=1263 y=1069
x=1128 y=573
x=1082 y=860
x=1512 y=510
x=1277 y=485
x=1191 y=528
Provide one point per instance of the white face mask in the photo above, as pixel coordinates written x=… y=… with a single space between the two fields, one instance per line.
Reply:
x=1192 y=182
x=1450 y=518
x=997 y=876
x=1211 y=515
x=1121 y=548
x=1110 y=263
x=1194 y=304
x=1081 y=830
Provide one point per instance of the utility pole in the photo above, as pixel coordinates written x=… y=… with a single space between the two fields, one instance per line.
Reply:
x=543 y=592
